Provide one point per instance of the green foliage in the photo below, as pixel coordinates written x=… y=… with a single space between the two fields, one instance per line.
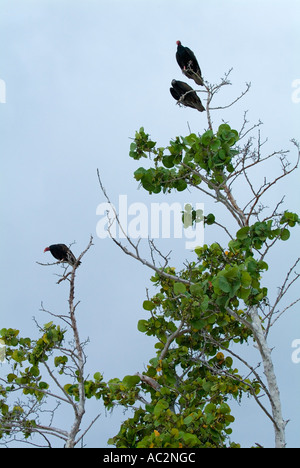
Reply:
x=179 y=164
x=255 y=236
x=158 y=426
x=141 y=145
x=196 y=375
x=192 y=410
x=26 y=357
x=291 y=219
x=20 y=351
x=196 y=316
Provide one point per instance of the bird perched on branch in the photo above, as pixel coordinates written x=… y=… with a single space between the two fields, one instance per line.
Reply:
x=188 y=63
x=62 y=253
x=185 y=95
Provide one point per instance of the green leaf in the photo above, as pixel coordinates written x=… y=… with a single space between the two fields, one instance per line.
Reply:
x=159 y=346
x=252 y=265
x=189 y=419
x=224 y=128
x=25 y=341
x=210 y=219
x=139 y=173
x=244 y=293
x=4 y=409
x=35 y=371
x=206 y=137
x=243 y=233
x=143 y=325
x=190 y=439
x=148 y=305
x=48 y=325
x=246 y=279
x=209 y=408
x=224 y=408
x=198 y=324
x=67 y=387
x=285 y=235
x=130 y=381
x=196 y=289
x=179 y=288
x=160 y=407
x=205 y=303
x=198 y=251
x=180 y=185
x=212 y=319
x=11 y=377
x=43 y=385
x=58 y=360
x=223 y=284
x=154 y=362
x=18 y=356
x=215 y=144
x=263 y=265
x=228 y=361
x=168 y=161
x=206 y=386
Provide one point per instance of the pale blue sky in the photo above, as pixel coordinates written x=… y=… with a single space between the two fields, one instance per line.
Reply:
x=81 y=77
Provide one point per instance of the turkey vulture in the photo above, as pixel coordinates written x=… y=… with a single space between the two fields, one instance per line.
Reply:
x=62 y=253
x=185 y=95
x=188 y=63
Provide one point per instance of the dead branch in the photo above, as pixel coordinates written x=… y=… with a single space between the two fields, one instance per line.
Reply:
x=288 y=282
x=135 y=252
x=248 y=86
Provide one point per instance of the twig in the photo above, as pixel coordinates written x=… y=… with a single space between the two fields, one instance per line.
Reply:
x=88 y=428
x=248 y=86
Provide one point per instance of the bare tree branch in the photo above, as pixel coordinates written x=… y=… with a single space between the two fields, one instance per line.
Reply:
x=135 y=252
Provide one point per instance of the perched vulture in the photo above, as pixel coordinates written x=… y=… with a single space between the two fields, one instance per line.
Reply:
x=188 y=63
x=185 y=95
x=63 y=253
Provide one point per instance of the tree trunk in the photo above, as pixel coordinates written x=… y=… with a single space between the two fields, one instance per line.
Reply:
x=274 y=395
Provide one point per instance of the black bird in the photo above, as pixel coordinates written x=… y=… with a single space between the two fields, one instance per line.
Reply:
x=188 y=63
x=62 y=253
x=185 y=95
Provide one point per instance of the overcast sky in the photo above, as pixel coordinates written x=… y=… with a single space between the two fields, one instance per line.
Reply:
x=81 y=77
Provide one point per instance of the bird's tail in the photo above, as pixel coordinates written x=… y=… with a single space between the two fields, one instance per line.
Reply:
x=200 y=107
x=189 y=73
x=198 y=79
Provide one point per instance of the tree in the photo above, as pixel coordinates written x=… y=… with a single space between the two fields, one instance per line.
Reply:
x=201 y=315
x=218 y=299
x=46 y=359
